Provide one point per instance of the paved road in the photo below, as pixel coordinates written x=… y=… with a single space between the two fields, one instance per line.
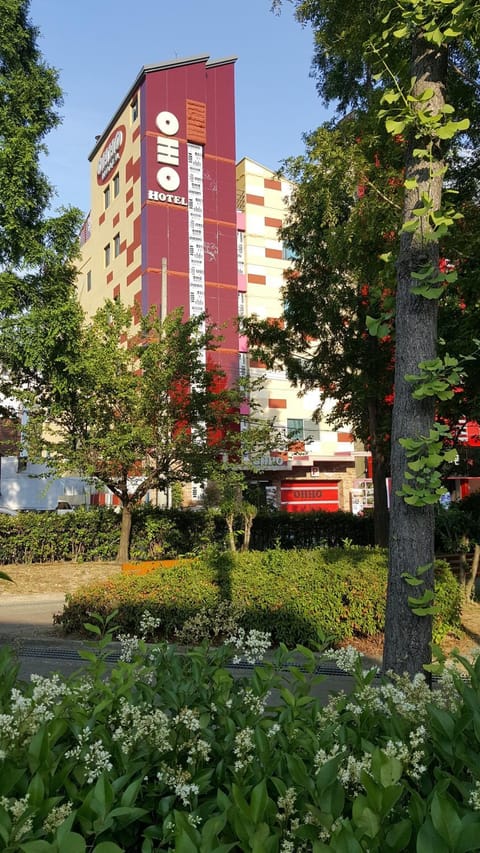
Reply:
x=26 y=625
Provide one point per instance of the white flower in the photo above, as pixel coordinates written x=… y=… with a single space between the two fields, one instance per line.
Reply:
x=187 y=718
x=56 y=817
x=140 y=724
x=474 y=797
x=148 y=624
x=252 y=646
x=346 y=659
x=243 y=748
x=128 y=647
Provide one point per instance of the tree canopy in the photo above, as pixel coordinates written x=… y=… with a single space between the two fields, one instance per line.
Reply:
x=36 y=247
x=412 y=68
x=135 y=417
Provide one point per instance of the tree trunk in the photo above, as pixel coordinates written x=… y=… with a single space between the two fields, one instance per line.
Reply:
x=381 y=518
x=230 y=518
x=407 y=636
x=470 y=585
x=126 y=529
x=248 y=518
x=379 y=464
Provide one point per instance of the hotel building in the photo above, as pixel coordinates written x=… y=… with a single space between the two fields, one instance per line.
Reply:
x=174 y=221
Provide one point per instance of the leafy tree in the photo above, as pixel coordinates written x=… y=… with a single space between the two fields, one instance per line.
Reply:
x=342 y=216
x=137 y=417
x=411 y=54
x=35 y=249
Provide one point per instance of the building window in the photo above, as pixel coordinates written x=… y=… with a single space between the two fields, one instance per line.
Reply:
x=242 y=308
x=116 y=185
x=134 y=109
x=288 y=254
x=106 y=197
x=89 y=281
x=242 y=364
x=116 y=245
x=106 y=253
x=295 y=429
x=241 y=252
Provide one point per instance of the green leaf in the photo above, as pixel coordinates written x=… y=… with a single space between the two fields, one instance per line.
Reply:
x=445 y=819
x=72 y=842
x=398 y=837
x=429 y=841
x=107 y=847
x=390 y=97
x=412 y=581
x=258 y=801
x=364 y=817
x=184 y=844
x=130 y=793
x=448 y=130
x=386 y=769
x=94 y=629
x=467 y=841
x=395 y=126
x=36 y=790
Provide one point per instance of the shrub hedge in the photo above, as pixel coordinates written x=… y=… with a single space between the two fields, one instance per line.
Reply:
x=298 y=596
x=93 y=534
x=169 y=751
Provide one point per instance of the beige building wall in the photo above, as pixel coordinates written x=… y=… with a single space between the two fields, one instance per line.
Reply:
x=111 y=249
x=263 y=199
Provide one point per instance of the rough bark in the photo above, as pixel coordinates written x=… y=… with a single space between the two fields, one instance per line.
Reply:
x=380 y=470
x=125 y=531
x=407 y=636
x=381 y=518
x=470 y=584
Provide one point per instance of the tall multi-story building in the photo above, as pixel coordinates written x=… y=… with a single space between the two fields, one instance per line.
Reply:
x=174 y=222
x=321 y=466
x=162 y=225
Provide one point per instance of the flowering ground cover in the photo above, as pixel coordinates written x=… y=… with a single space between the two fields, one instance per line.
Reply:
x=167 y=751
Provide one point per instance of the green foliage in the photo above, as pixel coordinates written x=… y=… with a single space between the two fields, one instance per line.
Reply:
x=170 y=751
x=457 y=528
x=94 y=534
x=310 y=529
x=425 y=457
x=298 y=596
x=133 y=418
x=36 y=251
x=45 y=537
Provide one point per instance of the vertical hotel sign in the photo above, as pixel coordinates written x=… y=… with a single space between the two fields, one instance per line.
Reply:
x=170 y=189
x=195 y=229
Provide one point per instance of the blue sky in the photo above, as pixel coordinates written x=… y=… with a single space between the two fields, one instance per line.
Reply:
x=99 y=46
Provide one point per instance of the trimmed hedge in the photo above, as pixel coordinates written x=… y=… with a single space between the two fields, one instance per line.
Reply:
x=43 y=537
x=93 y=534
x=310 y=530
x=298 y=596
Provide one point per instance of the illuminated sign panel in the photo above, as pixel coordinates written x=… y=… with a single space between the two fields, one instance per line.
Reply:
x=168 y=159
x=307 y=496
x=111 y=154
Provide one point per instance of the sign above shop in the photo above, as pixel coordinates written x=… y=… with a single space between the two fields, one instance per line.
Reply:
x=272 y=463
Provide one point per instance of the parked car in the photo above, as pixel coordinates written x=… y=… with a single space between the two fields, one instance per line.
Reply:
x=63 y=507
